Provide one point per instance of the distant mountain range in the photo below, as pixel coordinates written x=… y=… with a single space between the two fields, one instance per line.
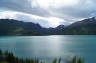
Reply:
x=11 y=27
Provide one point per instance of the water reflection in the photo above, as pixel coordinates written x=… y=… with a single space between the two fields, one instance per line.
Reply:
x=51 y=46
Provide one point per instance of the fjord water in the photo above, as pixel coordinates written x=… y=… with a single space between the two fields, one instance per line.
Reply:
x=50 y=47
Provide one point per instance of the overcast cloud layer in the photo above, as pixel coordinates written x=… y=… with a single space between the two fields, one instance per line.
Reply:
x=49 y=11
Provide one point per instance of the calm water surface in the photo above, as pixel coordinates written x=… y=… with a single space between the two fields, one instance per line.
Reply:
x=49 y=47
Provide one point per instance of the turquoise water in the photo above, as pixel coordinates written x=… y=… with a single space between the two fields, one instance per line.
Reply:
x=49 y=47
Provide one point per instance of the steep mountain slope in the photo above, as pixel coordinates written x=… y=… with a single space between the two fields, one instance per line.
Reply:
x=14 y=27
x=84 y=27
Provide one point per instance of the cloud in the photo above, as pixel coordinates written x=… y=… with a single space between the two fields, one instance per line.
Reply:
x=67 y=10
x=43 y=21
x=17 y=5
x=22 y=6
x=83 y=9
x=53 y=3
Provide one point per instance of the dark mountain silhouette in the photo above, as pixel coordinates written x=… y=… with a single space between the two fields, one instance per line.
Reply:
x=15 y=27
x=84 y=27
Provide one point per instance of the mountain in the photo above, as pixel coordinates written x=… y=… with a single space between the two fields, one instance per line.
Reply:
x=60 y=27
x=54 y=31
x=84 y=27
x=15 y=27
x=58 y=30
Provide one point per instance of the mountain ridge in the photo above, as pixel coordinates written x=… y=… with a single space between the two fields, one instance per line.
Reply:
x=11 y=27
x=83 y=27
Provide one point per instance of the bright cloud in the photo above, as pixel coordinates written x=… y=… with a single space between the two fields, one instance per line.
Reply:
x=48 y=12
x=53 y=3
x=43 y=21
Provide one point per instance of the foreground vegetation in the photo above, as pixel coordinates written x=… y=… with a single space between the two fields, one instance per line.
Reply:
x=8 y=57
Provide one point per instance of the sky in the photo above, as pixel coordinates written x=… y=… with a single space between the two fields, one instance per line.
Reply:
x=48 y=13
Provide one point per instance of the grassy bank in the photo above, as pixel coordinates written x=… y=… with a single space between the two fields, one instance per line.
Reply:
x=8 y=57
